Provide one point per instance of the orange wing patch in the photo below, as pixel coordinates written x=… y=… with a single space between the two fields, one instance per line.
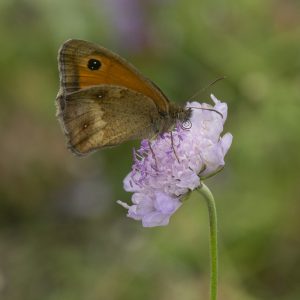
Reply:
x=83 y=64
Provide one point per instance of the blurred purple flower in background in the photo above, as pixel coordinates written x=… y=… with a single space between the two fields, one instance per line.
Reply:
x=159 y=183
x=132 y=23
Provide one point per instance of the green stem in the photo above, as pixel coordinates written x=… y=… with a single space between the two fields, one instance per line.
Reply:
x=212 y=212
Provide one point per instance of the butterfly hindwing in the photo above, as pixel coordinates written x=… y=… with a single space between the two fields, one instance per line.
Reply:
x=105 y=116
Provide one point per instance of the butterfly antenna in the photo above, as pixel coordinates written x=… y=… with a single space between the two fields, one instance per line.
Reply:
x=199 y=92
x=209 y=109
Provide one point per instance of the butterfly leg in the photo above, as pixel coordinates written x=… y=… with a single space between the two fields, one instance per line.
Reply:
x=172 y=143
x=153 y=154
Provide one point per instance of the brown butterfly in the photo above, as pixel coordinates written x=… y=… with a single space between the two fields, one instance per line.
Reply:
x=104 y=101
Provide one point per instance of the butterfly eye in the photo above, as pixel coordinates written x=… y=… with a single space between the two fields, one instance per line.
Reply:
x=94 y=64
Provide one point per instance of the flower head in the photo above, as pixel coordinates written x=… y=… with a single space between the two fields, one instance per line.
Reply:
x=162 y=174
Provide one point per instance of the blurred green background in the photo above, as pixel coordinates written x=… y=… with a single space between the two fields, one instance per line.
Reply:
x=62 y=235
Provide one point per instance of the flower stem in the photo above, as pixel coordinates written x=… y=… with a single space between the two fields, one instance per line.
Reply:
x=212 y=212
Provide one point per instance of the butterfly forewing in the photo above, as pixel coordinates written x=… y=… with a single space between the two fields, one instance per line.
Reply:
x=83 y=64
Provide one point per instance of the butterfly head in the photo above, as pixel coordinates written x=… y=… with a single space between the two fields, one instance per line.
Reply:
x=181 y=115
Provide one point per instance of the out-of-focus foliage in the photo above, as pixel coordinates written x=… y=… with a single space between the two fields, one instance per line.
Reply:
x=63 y=237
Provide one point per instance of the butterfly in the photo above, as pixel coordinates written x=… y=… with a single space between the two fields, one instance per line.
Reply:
x=104 y=101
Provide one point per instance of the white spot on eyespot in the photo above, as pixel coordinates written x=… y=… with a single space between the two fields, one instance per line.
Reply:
x=85 y=126
x=100 y=96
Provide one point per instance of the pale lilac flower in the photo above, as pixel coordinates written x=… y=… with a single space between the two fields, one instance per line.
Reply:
x=159 y=183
